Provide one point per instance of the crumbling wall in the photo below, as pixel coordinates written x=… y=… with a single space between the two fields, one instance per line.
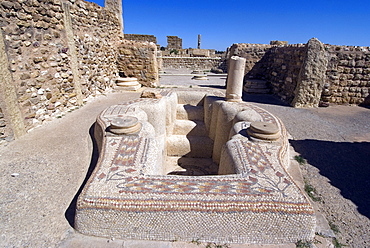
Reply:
x=138 y=59
x=58 y=53
x=141 y=37
x=205 y=63
x=346 y=71
x=278 y=65
x=348 y=74
x=281 y=69
x=174 y=42
x=115 y=7
x=253 y=53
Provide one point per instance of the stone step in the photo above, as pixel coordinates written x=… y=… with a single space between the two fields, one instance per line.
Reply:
x=189 y=112
x=257 y=91
x=190 y=166
x=255 y=84
x=189 y=146
x=188 y=127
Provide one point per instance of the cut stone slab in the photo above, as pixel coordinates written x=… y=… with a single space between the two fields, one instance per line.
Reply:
x=189 y=146
x=256 y=86
x=200 y=77
x=264 y=127
x=188 y=127
x=189 y=112
x=129 y=84
x=126 y=125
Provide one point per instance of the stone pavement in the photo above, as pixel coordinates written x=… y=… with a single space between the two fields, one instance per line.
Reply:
x=42 y=172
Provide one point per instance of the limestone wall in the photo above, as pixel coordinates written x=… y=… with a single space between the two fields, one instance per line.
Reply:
x=284 y=65
x=57 y=54
x=136 y=59
x=253 y=53
x=279 y=65
x=141 y=37
x=205 y=63
x=346 y=72
x=174 y=42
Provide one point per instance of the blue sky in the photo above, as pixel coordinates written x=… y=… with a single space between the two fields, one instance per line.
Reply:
x=222 y=23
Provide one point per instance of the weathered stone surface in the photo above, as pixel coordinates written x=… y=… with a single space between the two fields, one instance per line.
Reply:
x=311 y=78
x=235 y=78
x=252 y=188
x=7 y=4
x=9 y=106
x=36 y=30
x=279 y=66
x=136 y=59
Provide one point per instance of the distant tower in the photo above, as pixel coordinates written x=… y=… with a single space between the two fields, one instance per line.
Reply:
x=116 y=7
x=199 y=37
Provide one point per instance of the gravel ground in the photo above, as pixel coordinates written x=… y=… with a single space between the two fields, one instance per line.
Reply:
x=335 y=142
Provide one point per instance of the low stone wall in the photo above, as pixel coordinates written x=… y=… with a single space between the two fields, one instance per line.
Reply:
x=141 y=37
x=190 y=62
x=348 y=74
x=137 y=59
x=346 y=71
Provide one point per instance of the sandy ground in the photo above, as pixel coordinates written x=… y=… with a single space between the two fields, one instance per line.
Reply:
x=42 y=172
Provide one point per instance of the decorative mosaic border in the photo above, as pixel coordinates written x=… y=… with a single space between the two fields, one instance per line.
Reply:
x=124 y=182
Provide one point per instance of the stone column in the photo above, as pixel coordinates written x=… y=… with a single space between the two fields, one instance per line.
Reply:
x=235 y=78
x=311 y=78
x=154 y=65
x=199 y=37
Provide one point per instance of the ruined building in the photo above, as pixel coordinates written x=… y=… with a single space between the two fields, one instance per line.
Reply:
x=174 y=42
x=57 y=54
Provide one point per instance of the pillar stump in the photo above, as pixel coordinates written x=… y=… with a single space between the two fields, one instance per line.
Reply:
x=235 y=78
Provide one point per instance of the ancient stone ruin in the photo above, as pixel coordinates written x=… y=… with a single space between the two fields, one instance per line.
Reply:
x=307 y=75
x=58 y=54
x=174 y=43
x=187 y=165
x=174 y=164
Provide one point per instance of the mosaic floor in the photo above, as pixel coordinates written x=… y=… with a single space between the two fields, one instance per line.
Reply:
x=129 y=195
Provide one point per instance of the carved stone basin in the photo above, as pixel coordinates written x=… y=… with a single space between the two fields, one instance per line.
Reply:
x=198 y=168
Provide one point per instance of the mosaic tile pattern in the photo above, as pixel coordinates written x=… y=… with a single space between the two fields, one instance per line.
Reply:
x=126 y=197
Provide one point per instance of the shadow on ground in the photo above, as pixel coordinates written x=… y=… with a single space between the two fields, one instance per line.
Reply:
x=263 y=98
x=71 y=210
x=345 y=164
x=213 y=86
